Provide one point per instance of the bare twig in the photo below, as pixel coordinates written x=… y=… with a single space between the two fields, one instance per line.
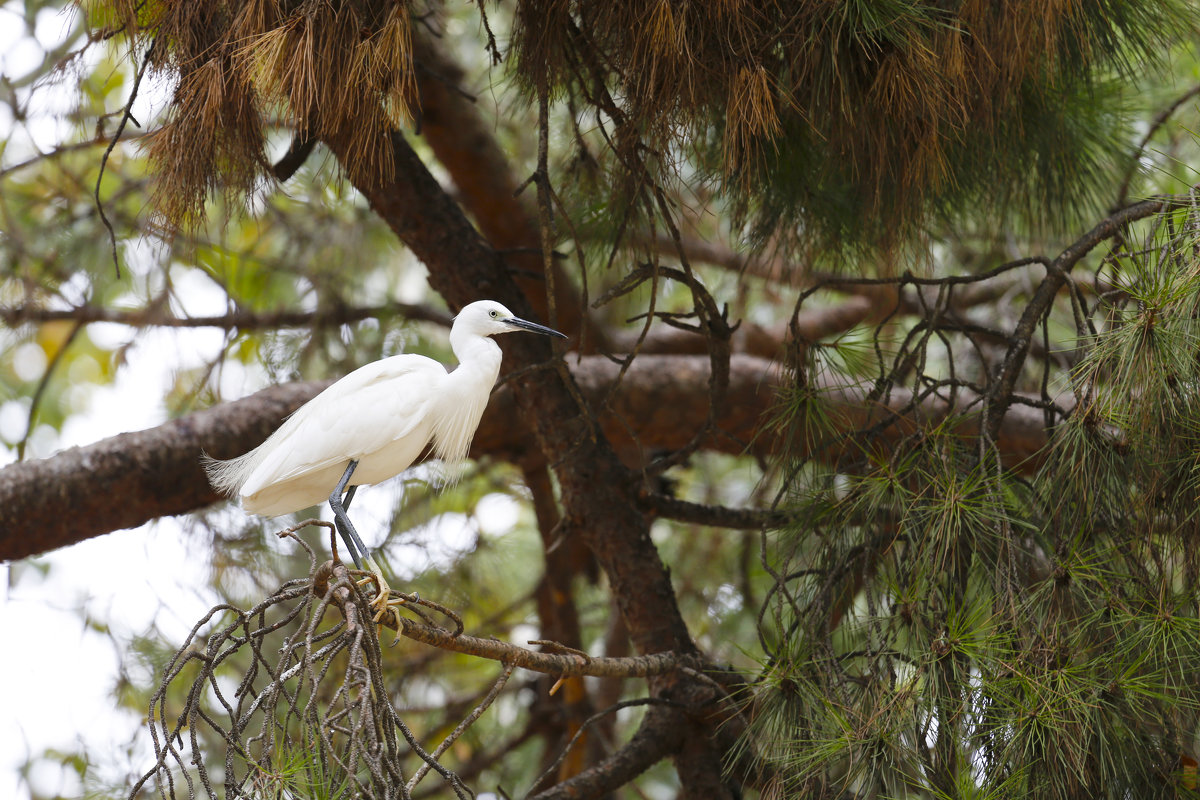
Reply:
x=1155 y=125
x=1000 y=396
x=340 y=719
x=126 y=116
x=41 y=388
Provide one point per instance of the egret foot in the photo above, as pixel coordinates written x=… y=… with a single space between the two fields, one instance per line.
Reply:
x=383 y=601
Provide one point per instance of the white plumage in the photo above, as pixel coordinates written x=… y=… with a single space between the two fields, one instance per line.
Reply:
x=382 y=415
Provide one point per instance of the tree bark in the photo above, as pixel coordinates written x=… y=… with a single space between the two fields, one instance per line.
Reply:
x=132 y=478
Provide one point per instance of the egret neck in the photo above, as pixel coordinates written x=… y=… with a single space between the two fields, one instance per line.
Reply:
x=467 y=390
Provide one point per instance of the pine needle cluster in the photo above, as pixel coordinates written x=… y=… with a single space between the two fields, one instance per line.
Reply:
x=944 y=627
x=859 y=119
x=336 y=72
x=852 y=122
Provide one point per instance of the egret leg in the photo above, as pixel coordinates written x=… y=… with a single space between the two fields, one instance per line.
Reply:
x=358 y=550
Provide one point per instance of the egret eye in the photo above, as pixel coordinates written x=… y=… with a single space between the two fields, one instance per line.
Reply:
x=494 y=313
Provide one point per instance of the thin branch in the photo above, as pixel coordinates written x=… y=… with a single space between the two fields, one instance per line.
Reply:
x=661 y=734
x=1000 y=396
x=64 y=149
x=721 y=255
x=1159 y=120
x=548 y=663
x=41 y=388
x=593 y=719
x=715 y=516
x=126 y=116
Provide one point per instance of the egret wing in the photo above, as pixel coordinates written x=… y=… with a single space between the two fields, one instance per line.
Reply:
x=377 y=404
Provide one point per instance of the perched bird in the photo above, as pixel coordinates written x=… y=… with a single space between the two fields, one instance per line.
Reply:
x=373 y=424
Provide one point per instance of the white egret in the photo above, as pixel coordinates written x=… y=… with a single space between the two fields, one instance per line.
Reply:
x=372 y=425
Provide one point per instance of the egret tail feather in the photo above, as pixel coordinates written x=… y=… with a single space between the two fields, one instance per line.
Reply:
x=228 y=476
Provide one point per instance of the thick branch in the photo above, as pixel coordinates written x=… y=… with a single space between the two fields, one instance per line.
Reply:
x=482 y=172
x=130 y=479
x=716 y=516
x=299 y=151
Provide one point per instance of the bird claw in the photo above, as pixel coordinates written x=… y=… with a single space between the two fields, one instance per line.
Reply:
x=382 y=605
x=385 y=598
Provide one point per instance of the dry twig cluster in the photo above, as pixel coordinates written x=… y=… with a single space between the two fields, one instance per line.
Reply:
x=309 y=706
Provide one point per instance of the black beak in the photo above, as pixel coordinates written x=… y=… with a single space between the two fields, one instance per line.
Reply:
x=526 y=325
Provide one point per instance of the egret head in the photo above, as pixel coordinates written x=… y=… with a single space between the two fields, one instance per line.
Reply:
x=488 y=318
